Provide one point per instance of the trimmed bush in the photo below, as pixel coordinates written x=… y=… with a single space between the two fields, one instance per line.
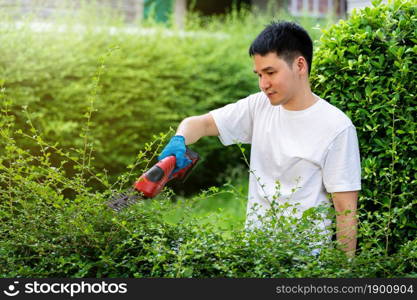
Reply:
x=366 y=66
x=45 y=234
x=150 y=79
x=146 y=86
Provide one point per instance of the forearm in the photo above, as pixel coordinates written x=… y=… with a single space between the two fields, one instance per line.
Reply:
x=346 y=232
x=193 y=128
x=346 y=220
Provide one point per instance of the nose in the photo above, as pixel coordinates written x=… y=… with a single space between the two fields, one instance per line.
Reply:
x=264 y=83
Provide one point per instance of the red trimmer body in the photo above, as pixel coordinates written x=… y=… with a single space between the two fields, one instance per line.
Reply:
x=153 y=181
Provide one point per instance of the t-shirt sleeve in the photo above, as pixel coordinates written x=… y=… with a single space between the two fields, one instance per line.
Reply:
x=234 y=122
x=342 y=167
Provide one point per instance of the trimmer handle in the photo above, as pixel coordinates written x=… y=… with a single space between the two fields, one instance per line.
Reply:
x=183 y=173
x=153 y=181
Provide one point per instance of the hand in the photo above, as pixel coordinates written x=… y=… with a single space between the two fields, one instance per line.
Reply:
x=176 y=146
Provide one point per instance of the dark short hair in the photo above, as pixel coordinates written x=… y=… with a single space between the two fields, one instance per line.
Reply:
x=286 y=39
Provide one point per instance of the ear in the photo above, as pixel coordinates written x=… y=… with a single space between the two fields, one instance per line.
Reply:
x=301 y=65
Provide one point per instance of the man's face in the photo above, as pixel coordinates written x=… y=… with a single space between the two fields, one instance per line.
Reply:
x=277 y=79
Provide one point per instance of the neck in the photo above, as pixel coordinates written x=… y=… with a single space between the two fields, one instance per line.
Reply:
x=303 y=99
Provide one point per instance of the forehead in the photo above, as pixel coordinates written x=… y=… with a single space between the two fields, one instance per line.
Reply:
x=271 y=59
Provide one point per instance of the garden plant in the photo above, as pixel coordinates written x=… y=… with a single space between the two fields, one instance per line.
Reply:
x=78 y=127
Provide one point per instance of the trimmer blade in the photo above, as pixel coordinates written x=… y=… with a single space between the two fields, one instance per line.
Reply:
x=123 y=200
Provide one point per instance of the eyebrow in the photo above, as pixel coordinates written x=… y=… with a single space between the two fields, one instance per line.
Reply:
x=265 y=70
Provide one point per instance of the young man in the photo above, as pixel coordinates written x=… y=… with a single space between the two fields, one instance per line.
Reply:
x=296 y=137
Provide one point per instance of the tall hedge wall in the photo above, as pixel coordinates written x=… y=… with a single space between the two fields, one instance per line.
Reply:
x=149 y=83
x=366 y=66
x=154 y=79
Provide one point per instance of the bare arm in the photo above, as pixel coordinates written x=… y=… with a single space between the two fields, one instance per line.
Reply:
x=193 y=128
x=345 y=204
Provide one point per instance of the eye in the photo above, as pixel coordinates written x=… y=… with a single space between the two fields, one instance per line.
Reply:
x=270 y=72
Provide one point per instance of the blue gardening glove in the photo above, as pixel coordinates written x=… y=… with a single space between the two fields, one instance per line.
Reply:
x=176 y=146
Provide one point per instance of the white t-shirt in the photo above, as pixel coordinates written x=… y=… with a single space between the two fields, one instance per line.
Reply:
x=310 y=152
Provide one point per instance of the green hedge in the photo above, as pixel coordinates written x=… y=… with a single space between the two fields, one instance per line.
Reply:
x=47 y=234
x=151 y=80
x=366 y=66
x=147 y=86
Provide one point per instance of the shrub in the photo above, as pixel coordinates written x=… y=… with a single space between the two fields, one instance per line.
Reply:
x=365 y=65
x=153 y=78
x=46 y=233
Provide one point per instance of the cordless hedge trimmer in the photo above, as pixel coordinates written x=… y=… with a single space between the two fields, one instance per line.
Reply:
x=153 y=181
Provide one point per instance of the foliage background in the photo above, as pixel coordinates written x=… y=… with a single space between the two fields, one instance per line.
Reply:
x=366 y=66
x=155 y=78
x=75 y=103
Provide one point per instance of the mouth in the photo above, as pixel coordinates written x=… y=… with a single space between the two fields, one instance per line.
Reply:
x=269 y=94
